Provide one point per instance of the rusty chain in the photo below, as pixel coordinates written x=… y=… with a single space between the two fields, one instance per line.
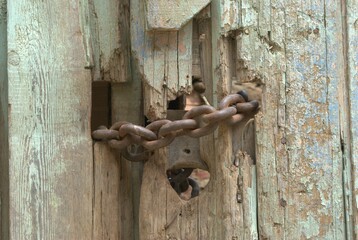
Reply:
x=137 y=142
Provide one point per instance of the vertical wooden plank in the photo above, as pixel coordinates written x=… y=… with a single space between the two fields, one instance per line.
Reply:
x=109 y=38
x=350 y=10
x=142 y=43
x=160 y=53
x=185 y=36
x=314 y=135
x=153 y=218
x=160 y=56
x=106 y=206
x=171 y=76
x=50 y=148
x=220 y=213
x=114 y=212
x=299 y=160
x=216 y=213
x=4 y=126
x=127 y=105
x=205 y=51
x=257 y=64
x=247 y=195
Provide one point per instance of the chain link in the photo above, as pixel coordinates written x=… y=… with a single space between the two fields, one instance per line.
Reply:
x=136 y=142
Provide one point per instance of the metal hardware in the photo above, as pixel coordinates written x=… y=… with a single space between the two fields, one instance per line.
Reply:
x=184 y=157
x=181 y=133
x=184 y=151
x=199 y=121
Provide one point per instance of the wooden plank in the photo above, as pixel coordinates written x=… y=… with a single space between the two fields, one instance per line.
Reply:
x=246 y=195
x=312 y=72
x=350 y=138
x=50 y=148
x=109 y=39
x=4 y=126
x=298 y=155
x=106 y=199
x=256 y=65
x=127 y=106
x=171 y=76
x=167 y=15
x=160 y=55
x=184 y=49
x=205 y=51
x=215 y=213
x=153 y=219
x=111 y=46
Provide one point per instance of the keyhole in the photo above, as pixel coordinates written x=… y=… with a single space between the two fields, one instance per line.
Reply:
x=188 y=186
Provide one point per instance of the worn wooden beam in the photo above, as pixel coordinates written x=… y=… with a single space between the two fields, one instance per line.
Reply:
x=50 y=147
x=164 y=60
x=106 y=200
x=106 y=26
x=205 y=51
x=169 y=15
x=350 y=123
x=4 y=126
x=116 y=180
x=127 y=105
x=289 y=47
x=253 y=51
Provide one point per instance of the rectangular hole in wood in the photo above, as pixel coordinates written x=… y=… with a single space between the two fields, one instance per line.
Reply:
x=101 y=104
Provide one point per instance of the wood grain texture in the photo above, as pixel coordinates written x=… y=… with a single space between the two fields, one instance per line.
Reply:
x=164 y=60
x=295 y=51
x=205 y=52
x=170 y=15
x=215 y=213
x=350 y=8
x=106 y=199
x=106 y=32
x=50 y=147
x=127 y=105
x=116 y=192
x=4 y=126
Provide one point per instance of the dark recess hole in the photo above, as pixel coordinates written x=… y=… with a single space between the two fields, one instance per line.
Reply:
x=186 y=151
x=197 y=180
x=101 y=104
x=178 y=103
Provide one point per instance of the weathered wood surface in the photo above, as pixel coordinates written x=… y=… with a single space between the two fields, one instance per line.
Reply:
x=304 y=184
x=4 y=147
x=116 y=180
x=50 y=147
x=216 y=213
x=127 y=106
x=351 y=121
x=296 y=51
x=304 y=56
x=106 y=199
x=164 y=60
x=105 y=30
x=171 y=15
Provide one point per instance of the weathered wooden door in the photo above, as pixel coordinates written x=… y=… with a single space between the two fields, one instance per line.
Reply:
x=288 y=173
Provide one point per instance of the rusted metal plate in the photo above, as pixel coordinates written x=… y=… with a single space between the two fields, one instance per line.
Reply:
x=184 y=152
